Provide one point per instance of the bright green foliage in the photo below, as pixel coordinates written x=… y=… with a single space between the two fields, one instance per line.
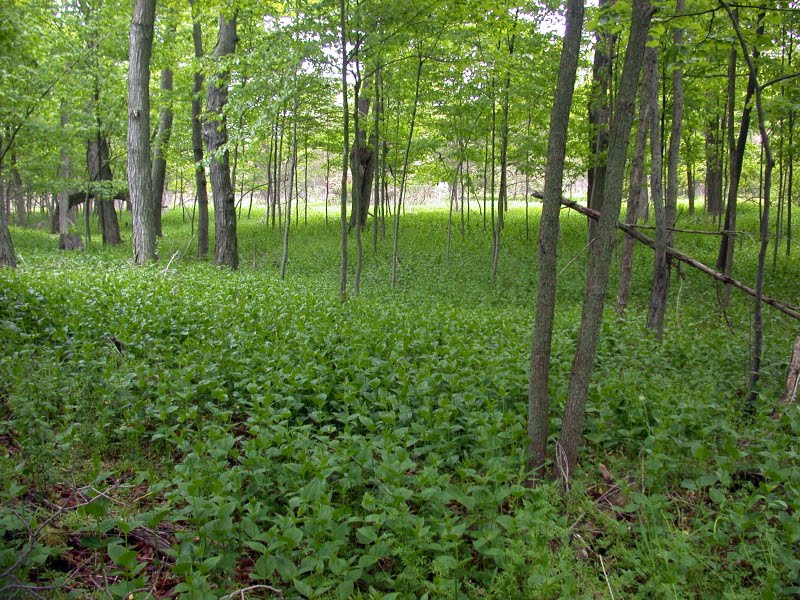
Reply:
x=376 y=449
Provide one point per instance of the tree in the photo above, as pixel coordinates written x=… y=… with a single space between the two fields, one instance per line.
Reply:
x=159 y=167
x=538 y=396
x=197 y=140
x=226 y=251
x=602 y=248
x=139 y=175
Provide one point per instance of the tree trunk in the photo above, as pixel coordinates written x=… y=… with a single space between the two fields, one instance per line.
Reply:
x=66 y=241
x=599 y=115
x=404 y=178
x=346 y=152
x=226 y=252
x=139 y=180
x=758 y=325
x=637 y=194
x=713 y=182
x=671 y=204
x=725 y=256
x=538 y=396
x=159 y=168
x=690 y=186
x=603 y=246
x=197 y=142
x=292 y=170
x=658 y=293
x=8 y=258
x=19 y=194
x=362 y=161
x=98 y=158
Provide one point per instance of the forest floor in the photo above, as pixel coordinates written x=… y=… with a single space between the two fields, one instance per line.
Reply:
x=185 y=431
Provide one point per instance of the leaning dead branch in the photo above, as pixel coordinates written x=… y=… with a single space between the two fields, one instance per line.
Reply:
x=784 y=307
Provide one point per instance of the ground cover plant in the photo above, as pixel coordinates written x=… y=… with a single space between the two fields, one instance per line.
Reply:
x=183 y=431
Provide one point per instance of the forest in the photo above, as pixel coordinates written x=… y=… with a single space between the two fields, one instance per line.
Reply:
x=421 y=299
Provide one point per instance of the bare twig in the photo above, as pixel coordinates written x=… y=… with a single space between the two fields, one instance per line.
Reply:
x=243 y=591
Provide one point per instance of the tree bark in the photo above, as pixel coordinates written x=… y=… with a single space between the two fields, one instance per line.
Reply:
x=671 y=204
x=637 y=195
x=139 y=180
x=362 y=160
x=599 y=115
x=603 y=246
x=769 y=163
x=18 y=193
x=226 y=252
x=725 y=256
x=98 y=159
x=538 y=384
x=159 y=168
x=346 y=152
x=201 y=186
x=8 y=257
x=713 y=180
x=658 y=293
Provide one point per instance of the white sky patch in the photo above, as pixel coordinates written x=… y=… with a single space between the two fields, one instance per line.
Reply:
x=555 y=22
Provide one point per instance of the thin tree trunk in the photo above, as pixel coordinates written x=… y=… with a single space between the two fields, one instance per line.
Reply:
x=403 y=180
x=603 y=246
x=599 y=115
x=671 y=204
x=292 y=170
x=725 y=256
x=637 y=192
x=159 y=168
x=378 y=159
x=201 y=186
x=538 y=384
x=139 y=176
x=66 y=241
x=346 y=152
x=226 y=252
x=658 y=294
x=359 y=172
x=725 y=261
x=758 y=325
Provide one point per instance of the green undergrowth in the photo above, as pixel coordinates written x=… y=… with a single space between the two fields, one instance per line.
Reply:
x=273 y=436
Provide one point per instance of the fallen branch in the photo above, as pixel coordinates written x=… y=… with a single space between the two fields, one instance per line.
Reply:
x=784 y=307
x=241 y=593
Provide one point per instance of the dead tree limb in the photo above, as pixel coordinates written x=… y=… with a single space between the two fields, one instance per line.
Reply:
x=784 y=307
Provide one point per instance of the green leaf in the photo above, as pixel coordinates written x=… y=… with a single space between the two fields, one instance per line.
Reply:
x=302 y=587
x=122 y=556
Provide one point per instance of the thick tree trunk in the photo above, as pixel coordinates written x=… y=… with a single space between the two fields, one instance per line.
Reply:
x=8 y=257
x=139 y=180
x=362 y=161
x=98 y=157
x=658 y=293
x=216 y=135
x=159 y=167
x=538 y=394
x=603 y=246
